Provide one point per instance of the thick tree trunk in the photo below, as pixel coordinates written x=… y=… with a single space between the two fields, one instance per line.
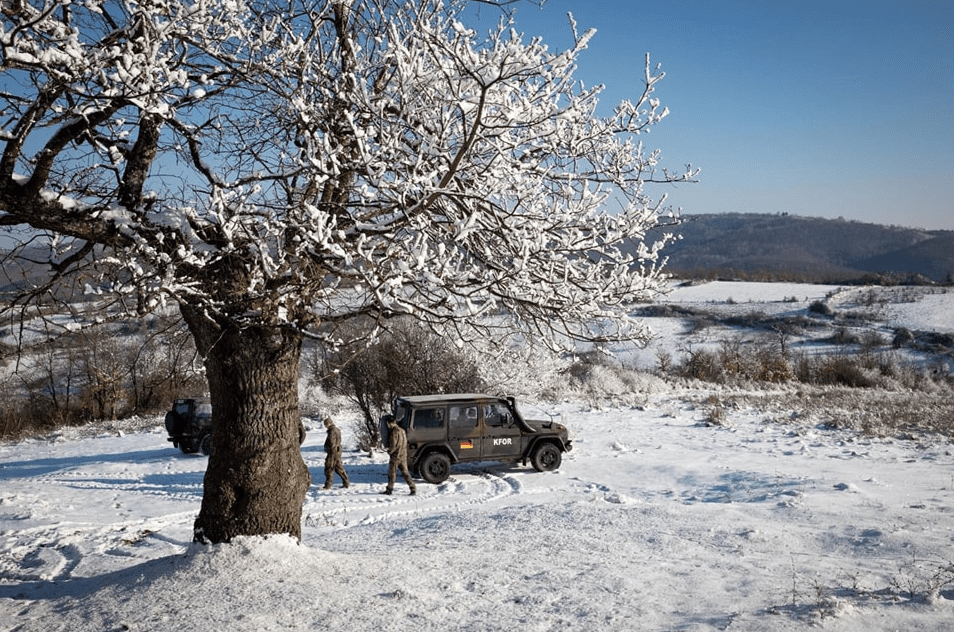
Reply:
x=256 y=479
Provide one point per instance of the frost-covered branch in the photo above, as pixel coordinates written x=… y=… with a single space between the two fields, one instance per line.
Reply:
x=305 y=164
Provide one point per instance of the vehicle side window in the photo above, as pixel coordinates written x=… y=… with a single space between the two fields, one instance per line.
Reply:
x=463 y=416
x=182 y=408
x=400 y=414
x=204 y=409
x=497 y=415
x=429 y=418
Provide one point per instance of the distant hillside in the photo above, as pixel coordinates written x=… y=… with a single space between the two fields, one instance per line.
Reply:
x=807 y=248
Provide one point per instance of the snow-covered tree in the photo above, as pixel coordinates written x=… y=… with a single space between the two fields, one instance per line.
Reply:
x=278 y=169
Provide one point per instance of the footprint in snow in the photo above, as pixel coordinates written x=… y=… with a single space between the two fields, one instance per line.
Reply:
x=846 y=487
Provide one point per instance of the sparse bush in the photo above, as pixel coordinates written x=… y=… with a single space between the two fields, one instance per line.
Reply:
x=702 y=364
x=902 y=338
x=408 y=359
x=163 y=365
x=748 y=320
x=737 y=359
x=105 y=375
x=597 y=379
x=790 y=325
x=716 y=415
x=844 y=336
x=663 y=362
x=871 y=340
x=843 y=370
x=102 y=372
x=773 y=365
x=821 y=308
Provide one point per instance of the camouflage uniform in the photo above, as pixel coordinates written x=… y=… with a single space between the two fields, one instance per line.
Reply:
x=333 y=464
x=397 y=448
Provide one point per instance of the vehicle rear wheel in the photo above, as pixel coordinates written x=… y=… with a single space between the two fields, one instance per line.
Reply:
x=435 y=468
x=189 y=446
x=205 y=444
x=546 y=457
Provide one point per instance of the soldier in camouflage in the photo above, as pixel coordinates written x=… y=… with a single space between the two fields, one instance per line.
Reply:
x=397 y=449
x=333 y=464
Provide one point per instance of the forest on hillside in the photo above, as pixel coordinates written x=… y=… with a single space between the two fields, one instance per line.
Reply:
x=795 y=248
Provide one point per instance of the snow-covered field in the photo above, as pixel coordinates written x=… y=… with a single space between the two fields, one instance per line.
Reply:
x=656 y=520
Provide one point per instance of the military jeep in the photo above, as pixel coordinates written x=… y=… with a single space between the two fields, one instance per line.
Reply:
x=447 y=429
x=189 y=425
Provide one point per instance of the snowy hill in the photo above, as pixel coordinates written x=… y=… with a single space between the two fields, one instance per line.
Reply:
x=770 y=515
x=807 y=248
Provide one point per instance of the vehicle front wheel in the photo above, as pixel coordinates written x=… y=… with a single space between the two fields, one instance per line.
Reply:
x=205 y=444
x=435 y=468
x=546 y=457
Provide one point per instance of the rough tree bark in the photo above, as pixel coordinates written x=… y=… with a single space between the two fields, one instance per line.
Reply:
x=256 y=479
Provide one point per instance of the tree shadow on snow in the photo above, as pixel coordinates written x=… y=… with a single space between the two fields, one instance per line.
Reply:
x=45 y=467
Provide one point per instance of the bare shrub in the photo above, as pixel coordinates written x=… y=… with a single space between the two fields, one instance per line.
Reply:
x=702 y=364
x=843 y=370
x=408 y=359
x=844 y=336
x=664 y=363
x=762 y=360
x=821 y=308
x=105 y=372
x=163 y=364
x=902 y=338
x=871 y=340
x=716 y=415
x=918 y=416
x=597 y=379
x=102 y=372
x=773 y=364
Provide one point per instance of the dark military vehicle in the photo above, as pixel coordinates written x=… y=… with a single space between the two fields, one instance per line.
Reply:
x=446 y=429
x=189 y=425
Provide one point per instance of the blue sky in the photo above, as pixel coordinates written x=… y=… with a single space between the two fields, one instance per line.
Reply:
x=841 y=108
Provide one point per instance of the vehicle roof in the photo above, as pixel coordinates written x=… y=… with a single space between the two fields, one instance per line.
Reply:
x=444 y=398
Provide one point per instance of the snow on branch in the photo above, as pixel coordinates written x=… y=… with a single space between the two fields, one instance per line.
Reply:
x=334 y=161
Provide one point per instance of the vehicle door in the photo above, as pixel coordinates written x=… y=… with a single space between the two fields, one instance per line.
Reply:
x=463 y=431
x=501 y=435
x=426 y=426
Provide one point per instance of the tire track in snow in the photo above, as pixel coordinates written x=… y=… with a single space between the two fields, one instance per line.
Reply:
x=349 y=508
x=173 y=484
x=47 y=553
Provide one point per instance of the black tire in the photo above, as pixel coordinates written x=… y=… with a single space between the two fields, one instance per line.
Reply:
x=189 y=446
x=435 y=468
x=546 y=457
x=205 y=444
x=172 y=423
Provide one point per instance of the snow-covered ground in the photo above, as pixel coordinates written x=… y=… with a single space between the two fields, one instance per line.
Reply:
x=657 y=520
